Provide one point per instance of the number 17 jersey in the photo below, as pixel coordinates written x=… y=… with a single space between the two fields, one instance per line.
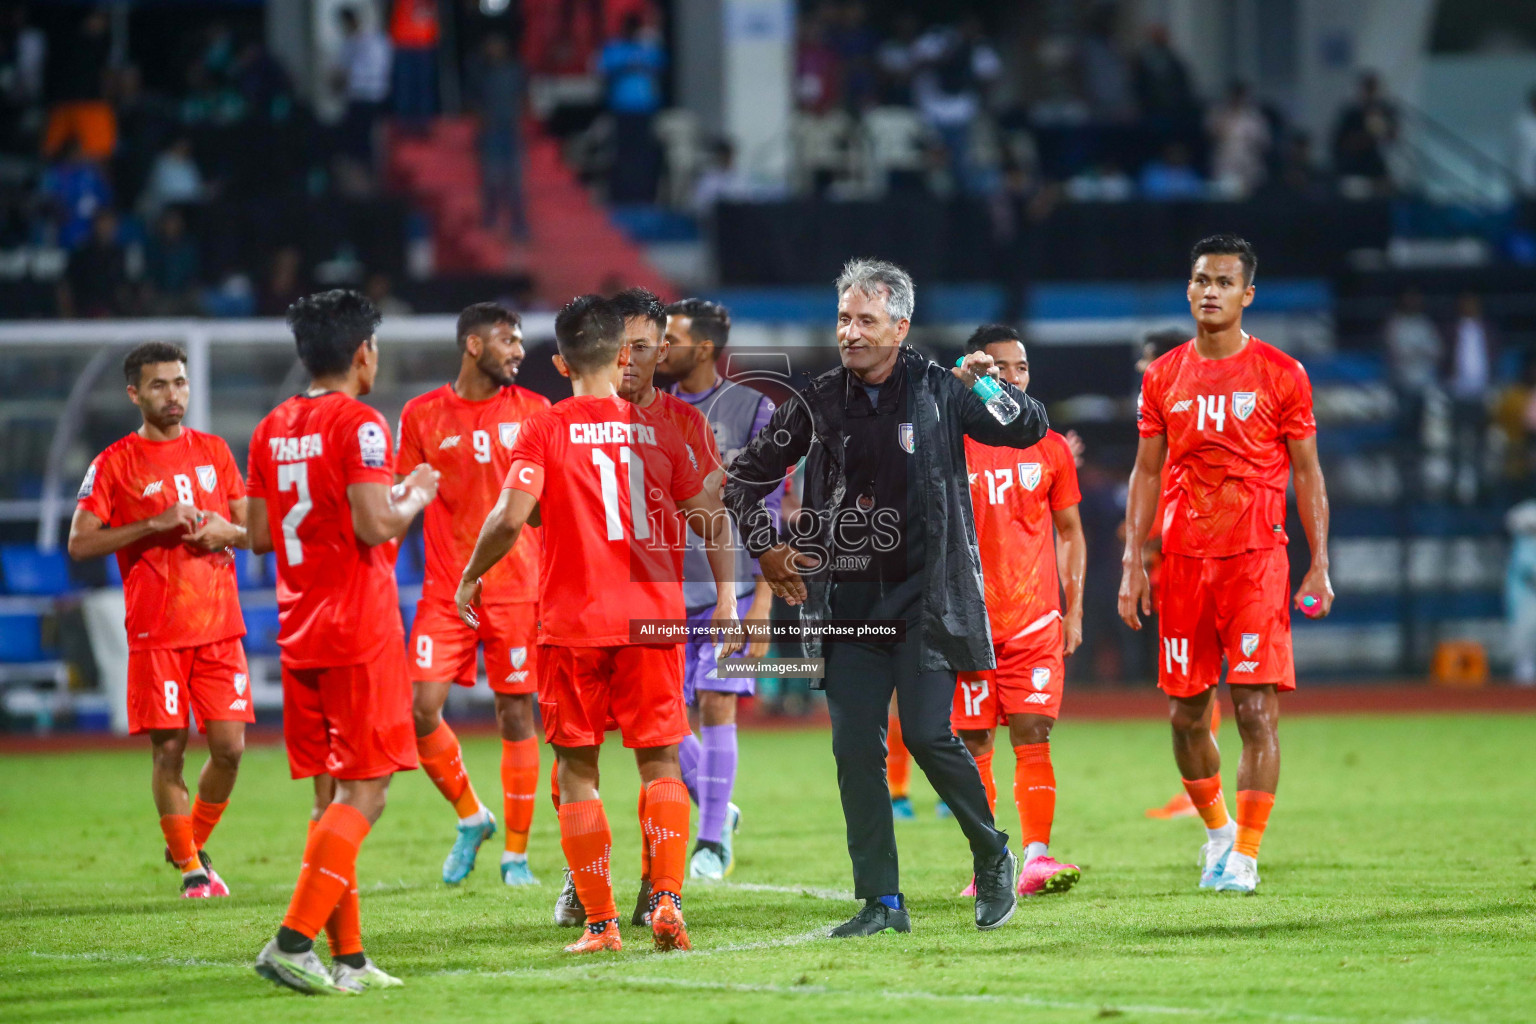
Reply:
x=336 y=596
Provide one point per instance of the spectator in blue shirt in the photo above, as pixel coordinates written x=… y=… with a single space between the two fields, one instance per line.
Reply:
x=632 y=65
x=1172 y=176
x=78 y=191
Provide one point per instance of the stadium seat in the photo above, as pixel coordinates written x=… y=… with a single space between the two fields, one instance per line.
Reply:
x=21 y=638
x=30 y=571
x=260 y=631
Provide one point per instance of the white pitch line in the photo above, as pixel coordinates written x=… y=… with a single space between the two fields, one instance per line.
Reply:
x=586 y=968
x=792 y=890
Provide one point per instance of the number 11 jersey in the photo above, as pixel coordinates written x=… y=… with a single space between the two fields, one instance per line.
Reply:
x=336 y=596
x=608 y=479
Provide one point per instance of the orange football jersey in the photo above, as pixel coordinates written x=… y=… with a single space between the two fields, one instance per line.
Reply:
x=470 y=444
x=177 y=595
x=1227 y=422
x=1013 y=493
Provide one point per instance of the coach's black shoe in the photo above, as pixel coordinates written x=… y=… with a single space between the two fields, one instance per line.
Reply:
x=875 y=918
x=996 y=897
x=642 y=915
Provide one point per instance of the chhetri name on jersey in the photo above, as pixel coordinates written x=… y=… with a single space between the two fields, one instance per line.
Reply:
x=293 y=449
x=612 y=432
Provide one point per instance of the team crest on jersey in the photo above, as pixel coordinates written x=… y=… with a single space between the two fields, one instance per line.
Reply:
x=904 y=435
x=88 y=484
x=1243 y=403
x=372 y=445
x=518 y=656
x=1250 y=644
x=207 y=478
x=240 y=684
x=1040 y=678
x=1029 y=475
x=508 y=433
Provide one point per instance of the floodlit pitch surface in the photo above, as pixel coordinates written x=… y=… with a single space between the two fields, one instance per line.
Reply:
x=1398 y=886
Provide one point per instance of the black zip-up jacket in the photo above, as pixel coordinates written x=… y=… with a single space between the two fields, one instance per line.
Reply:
x=955 y=634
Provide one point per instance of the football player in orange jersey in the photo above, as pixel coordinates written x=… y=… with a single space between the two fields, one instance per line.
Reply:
x=321 y=478
x=1025 y=505
x=465 y=430
x=168 y=501
x=612 y=487
x=1232 y=419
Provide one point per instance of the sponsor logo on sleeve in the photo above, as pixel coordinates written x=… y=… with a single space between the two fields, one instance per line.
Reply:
x=904 y=435
x=88 y=484
x=207 y=478
x=1029 y=475
x=372 y=445
x=1243 y=403
x=508 y=433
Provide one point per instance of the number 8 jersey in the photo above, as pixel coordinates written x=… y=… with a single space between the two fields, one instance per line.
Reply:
x=1227 y=422
x=608 y=479
x=336 y=596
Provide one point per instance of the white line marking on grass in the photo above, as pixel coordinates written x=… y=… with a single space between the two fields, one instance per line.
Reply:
x=793 y=890
x=135 y=958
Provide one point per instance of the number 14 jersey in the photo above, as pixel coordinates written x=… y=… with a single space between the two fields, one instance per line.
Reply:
x=336 y=596
x=1227 y=422
x=608 y=479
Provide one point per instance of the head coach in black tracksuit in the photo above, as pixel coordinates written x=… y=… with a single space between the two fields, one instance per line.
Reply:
x=886 y=532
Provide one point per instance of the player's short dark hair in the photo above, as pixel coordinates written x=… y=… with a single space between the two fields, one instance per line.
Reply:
x=1227 y=245
x=150 y=352
x=329 y=326
x=710 y=321
x=589 y=332
x=640 y=302
x=1164 y=341
x=989 y=334
x=482 y=315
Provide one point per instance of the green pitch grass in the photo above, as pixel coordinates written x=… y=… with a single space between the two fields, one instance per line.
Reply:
x=1397 y=886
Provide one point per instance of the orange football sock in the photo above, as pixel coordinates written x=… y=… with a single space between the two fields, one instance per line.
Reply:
x=1034 y=790
x=1253 y=807
x=519 y=785
x=588 y=841
x=645 y=839
x=443 y=761
x=984 y=767
x=1205 y=794
x=344 y=928
x=330 y=868
x=205 y=817
x=178 y=839
x=898 y=763
x=666 y=822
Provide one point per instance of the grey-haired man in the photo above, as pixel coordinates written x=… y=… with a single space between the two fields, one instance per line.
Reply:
x=886 y=533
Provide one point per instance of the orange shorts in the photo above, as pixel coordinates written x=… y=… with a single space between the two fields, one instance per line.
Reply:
x=442 y=648
x=350 y=721
x=636 y=688
x=1028 y=680
x=1237 y=608
x=212 y=681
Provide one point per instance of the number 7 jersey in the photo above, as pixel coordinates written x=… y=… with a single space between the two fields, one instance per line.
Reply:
x=336 y=596
x=1227 y=422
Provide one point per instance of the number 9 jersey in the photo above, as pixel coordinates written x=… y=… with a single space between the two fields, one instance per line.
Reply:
x=336 y=596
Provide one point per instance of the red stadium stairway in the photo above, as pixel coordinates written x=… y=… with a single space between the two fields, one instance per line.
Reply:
x=573 y=248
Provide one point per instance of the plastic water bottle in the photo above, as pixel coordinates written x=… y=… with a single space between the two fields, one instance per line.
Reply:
x=998 y=401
